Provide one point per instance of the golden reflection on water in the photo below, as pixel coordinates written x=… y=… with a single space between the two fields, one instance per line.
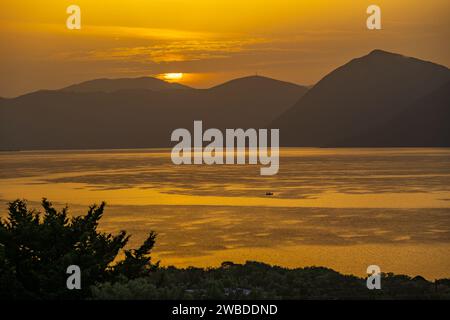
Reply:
x=430 y=261
x=82 y=193
x=340 y=208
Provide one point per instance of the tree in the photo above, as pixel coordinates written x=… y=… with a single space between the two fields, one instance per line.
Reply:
x=36 y=249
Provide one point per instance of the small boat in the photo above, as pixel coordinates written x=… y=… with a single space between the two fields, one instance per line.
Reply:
x=269 y=193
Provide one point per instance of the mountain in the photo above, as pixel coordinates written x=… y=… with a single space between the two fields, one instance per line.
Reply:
x=424 y=123
x=131 y=118
x=381 y=99
x=248 y=102
x=364 y=94
x=111 y=85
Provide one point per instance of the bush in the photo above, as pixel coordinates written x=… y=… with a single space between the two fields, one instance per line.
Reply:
x=36 y=249
x=255 y=280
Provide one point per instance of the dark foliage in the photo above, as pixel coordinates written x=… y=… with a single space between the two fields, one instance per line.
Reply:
x=36 y=249
x=255 y=280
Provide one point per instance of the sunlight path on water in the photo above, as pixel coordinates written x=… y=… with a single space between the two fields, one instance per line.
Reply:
x=80 y=193
x=339 y=208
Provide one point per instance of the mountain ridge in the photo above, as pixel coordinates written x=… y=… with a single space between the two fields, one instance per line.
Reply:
x=114 y=84
x=363 y=93
x=423 y=123
x=361 y=103
x=134 y=118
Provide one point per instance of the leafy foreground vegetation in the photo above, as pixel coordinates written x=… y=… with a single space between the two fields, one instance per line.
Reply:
x=255 y=280
x=36 y=248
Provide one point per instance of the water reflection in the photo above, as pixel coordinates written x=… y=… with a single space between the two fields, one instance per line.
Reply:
x=333 y=200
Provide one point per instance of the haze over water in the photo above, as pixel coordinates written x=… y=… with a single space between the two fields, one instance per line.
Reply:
x=340 y=208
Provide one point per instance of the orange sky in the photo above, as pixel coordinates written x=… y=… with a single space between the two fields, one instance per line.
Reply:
x=208 y=41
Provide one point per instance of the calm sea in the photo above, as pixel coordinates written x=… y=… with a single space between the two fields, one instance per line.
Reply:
x=340 y=208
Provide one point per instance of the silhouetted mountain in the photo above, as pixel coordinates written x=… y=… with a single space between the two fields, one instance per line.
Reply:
x=364 y=94
x=426 y=122
x=382 y=99
x=110 y=85
x=138 y=118
x=251 y=84
x=248 y=102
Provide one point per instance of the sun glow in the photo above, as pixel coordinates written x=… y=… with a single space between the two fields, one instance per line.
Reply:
x=172 y=76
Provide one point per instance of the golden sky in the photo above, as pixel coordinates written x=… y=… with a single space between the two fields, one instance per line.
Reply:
x=208 y=41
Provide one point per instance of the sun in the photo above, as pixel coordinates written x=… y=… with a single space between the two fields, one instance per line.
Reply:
x=173 y=76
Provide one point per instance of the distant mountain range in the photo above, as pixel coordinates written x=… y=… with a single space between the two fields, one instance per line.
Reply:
x=111 y=85
x=381 y=99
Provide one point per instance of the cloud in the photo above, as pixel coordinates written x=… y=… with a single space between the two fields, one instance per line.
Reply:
x=166 y=51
